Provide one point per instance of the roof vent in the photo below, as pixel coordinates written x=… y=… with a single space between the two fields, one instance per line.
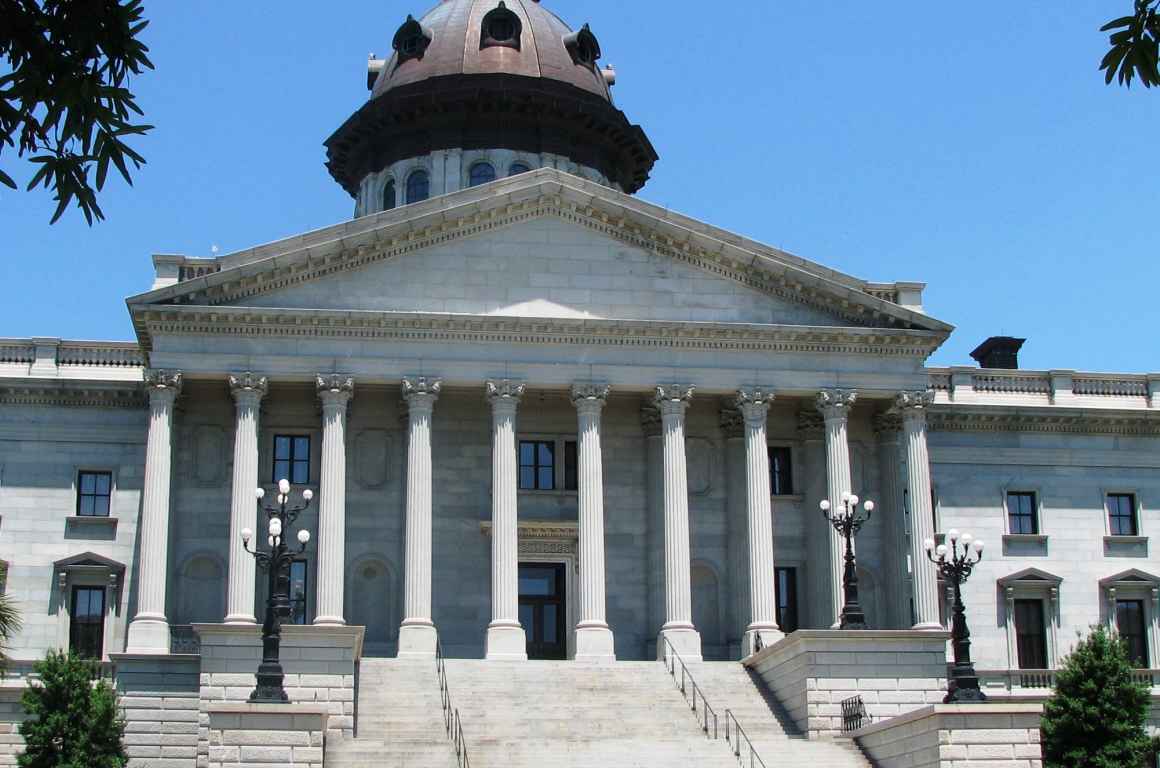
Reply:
x=999 y=352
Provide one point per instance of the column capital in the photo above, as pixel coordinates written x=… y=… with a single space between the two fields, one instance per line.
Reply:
x=754 y=402
x=913 y=405
x=504 y=392
x=334 y=389
x=163 y=386
x=247 y=387
x=673 y=399
x=835 y=403
x=590 y=397
x=421 y=392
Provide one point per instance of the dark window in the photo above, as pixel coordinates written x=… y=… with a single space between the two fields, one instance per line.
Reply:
x=87 y=622
x=292 y=459
x=1122 y=514
x=389 y=195
x=517 y=169
x=537 y=465
x=298 y=587
x=93 y=491
x=500 y=27
x=787 y=611
x=571 y=466
x=418 y=187
x=411 y=40
x=480 y=173
x=780 y=471
x=1030 y=634
x=1022 y=515
x=1130 y=623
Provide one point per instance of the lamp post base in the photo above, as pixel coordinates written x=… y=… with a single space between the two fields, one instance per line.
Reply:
x=270 y=689
x=963 y=687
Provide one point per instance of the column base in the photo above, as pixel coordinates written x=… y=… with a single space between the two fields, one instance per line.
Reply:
x=417 y=640
x=240 y=618
x=685 y=640
x=506 y=642
x=930 y=626
x=749 y=641
x=329 y=621
x=148 y=635
x=594 y=644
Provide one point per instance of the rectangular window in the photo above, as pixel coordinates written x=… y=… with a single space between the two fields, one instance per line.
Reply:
x=571 y=466
x=298 y=592
x=1022 y=515
x=1030 y=634
x=787 y=612
x=537 y=465
x=292 y=459
x=1130 y=624
x=780 y=471
x=93 y=492
x=1122 y=514
x=87 y=622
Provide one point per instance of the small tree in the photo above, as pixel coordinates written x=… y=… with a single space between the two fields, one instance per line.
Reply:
x=1096 y=717
x=9 y=616
x=72 y=721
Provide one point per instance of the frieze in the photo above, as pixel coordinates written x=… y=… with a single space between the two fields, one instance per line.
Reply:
x=72 y=396
x=1064 y=423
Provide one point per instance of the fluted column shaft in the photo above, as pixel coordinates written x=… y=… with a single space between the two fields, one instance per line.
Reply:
x=335 y=393
x=149 y=631
x=248 y=391
x=835 y=406
x=754 y=406
x=678 y=628
x=593 y=637
x=417 y=634
x=505 y=636
x=913 y=406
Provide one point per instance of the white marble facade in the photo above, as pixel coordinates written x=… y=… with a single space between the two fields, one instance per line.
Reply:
x=416 y=347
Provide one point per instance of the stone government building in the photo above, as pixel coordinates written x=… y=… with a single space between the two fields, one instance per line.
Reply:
x=545 y=419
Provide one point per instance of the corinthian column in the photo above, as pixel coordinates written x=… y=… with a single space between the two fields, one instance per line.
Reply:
x=149 y=631
x=678 y=628
x=835 y=405
x=335 y=392
x=913 y=406
x=248 y=391
x=754 y=406
x=417 y=634
x=505 y=636
x=593 y=637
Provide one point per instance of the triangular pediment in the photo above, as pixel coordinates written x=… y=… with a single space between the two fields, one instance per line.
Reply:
x=1030 y=576
x=88 y=560
x=1131 y=576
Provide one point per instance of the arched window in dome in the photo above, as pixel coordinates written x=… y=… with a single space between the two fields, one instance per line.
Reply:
x=418 y=187
x=583 y=47
x=500 y=27
x=389 y=196
x=411 y=40
x=480 y=173
x=517 y=169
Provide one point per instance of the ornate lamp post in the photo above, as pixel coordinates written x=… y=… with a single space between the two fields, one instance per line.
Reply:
x=276 y=562
x=955 y=564
x=847 y=523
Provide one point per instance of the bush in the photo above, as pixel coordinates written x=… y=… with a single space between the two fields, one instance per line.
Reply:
x=72 y=721
x=1096 y=717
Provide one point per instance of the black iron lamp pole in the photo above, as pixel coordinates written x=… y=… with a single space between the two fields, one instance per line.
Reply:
x=276 y=562
x=847 y=523
x=955 y=565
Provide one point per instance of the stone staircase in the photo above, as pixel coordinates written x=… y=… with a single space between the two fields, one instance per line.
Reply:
x=567 y=715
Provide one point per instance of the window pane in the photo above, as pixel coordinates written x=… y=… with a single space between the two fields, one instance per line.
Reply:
x=527 y=478
x=281 y=470
x=546 y=454
x=547 y=479
x=550 y=623
x=1130 y=623
x=517 y=169
x=527 y=453
x=389 y=196
x=418 y=187
x=103 y=482
x=298 y=592
x=101 y=506
x=536 y=582
x=571 y=466
x=302 y=449
x=86 y=506
x=301 y=473
x=482 y=173
x=88 y=482
x=281 y=447
x=1031 y=634
x=787 y=599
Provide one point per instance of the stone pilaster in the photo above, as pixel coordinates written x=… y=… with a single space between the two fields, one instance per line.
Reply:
x=505 y=636
x=335 y=392
x=417 y=637
x=835 y=405
x=913 y=406
x=678 y=628
x=754 y=406
x=248 y=391
x=593 y=637
x=149 y=630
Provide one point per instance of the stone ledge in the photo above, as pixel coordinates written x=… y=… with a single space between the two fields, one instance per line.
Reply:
x=1004 y=709
x=255 y=708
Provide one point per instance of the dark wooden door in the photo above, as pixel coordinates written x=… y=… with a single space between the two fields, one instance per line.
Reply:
x=543 y=609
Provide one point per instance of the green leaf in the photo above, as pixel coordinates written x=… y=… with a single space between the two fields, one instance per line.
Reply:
x=1123 y=21
x=6 y=180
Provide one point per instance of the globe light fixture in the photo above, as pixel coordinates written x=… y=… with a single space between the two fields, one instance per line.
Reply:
x=847 y=523
x=955 y=565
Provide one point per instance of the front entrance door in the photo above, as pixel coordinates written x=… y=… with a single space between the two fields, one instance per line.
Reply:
x=542 y=610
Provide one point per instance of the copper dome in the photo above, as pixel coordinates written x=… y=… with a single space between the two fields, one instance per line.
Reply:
x=491 y=74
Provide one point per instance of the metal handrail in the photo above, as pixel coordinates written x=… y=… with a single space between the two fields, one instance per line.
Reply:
x=451 y=722
x=734 y=735
x=686 y=682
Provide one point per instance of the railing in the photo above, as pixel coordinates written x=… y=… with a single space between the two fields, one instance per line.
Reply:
x=734 y=735
x=182 y=639
x=22 y=669
x=451 y=722
x=1016 y=382
x=1044 y=679
x=853 y=714
x=690 y=689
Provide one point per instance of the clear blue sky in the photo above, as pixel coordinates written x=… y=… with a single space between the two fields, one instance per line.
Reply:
x=971 y=146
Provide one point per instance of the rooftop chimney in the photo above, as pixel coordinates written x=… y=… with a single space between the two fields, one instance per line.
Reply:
x=999 y=352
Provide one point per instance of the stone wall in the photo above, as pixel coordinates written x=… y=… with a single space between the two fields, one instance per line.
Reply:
x=11 y=715
x=241 y=735
x=957 y=736
x=158 y=696
x=812 y=672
